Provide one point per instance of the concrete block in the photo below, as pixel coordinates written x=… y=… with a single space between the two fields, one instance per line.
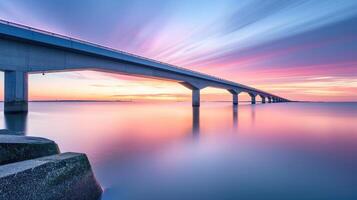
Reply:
x=14 y=148
x=63 y=176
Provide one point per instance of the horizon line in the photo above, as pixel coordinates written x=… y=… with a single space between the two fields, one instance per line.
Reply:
x=126 y=101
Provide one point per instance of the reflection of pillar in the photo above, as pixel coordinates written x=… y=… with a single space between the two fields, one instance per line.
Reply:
x=16 y=89
x=252 y=115
x=16 y=122
x=195 y=120
x=235 y=117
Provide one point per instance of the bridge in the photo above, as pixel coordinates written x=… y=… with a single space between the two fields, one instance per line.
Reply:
x=25 y=50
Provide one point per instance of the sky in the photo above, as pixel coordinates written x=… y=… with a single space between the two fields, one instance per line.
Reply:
x=298 y=49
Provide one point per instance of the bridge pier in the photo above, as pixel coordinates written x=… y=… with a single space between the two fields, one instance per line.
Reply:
x=269 y=99
x=196 y=97
x=195 y=88
x=16 y=91
x=252 y=96
x=235 y=99
x=263 y=98
x=235 y=94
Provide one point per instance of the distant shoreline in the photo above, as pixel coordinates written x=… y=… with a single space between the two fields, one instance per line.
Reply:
x=125 y=101
x=81 y=101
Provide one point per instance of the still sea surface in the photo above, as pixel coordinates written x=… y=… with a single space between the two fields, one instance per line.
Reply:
x=221 y=152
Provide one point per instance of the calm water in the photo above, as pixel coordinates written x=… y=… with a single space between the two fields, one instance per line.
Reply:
x=170 y=151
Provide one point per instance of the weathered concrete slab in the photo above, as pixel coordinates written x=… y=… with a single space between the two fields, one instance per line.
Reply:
x=14 y=148
x=64 y=176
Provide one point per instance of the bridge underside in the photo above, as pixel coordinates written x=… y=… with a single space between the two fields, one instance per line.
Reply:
x=19 y=58
x=16 y=92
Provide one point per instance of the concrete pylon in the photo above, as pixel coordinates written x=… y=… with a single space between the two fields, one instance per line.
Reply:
x=263 y=98
x=196 y=98
x=195 y=88
x=235 y=93
x=252 y=96
x=16 y=91
x=269 y=99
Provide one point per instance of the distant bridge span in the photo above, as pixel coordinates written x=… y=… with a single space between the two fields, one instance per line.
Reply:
x=26 y=50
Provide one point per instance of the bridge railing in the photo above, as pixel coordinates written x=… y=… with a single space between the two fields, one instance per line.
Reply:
x=125 y=53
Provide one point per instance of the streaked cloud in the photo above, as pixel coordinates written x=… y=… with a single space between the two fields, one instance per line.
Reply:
x=301 y=49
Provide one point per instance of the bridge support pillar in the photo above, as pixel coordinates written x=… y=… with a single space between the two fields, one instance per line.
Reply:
x=16 y=91
x=235 y=99
x=263 y=98
x=195 y=88
x=235 y=94
x=269 y=99
x=196 y=97
x=252 y=96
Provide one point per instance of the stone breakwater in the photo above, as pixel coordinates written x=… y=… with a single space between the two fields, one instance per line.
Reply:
x=33 y=168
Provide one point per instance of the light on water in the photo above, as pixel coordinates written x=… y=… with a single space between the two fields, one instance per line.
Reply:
x=172 y=151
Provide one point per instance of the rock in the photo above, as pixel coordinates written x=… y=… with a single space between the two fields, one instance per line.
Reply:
x=64 y=176
x=14 y=148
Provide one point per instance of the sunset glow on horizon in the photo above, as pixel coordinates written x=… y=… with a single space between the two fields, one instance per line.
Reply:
x=300 y=50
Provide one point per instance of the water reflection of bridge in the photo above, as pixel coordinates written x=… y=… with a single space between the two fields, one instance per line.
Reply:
x=16 y=122
x=196 y=119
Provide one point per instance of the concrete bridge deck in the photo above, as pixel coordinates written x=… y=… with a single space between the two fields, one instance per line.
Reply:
x=25 y=50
